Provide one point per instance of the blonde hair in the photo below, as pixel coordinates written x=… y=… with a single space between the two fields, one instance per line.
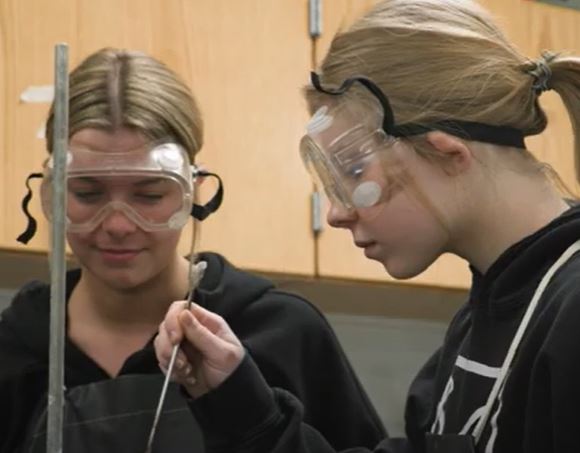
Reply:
x=114 y=88
x=446 y=59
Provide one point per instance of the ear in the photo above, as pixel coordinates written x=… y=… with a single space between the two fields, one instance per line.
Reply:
x=456 y=156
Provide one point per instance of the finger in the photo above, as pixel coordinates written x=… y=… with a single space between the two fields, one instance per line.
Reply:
x=206 y=342
x=164 y=371
x=164 y=350
x=209 y=319
x=183 y=373
x=181 y=361
x=181 y=365
x=171 y=323
x=216 y=324
x=163 y=345
x=186 y=374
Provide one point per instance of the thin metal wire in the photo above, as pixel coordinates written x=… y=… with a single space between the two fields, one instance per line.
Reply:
x=54 y=438
x=196 y=272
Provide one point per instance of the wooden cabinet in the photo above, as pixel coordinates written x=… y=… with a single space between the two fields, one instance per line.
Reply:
x=533 y=27
x=29 y=30
x=249 y=60
x=245 y=61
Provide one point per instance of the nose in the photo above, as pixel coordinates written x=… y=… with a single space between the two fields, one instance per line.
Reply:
x=118 y=224
x=340 y=217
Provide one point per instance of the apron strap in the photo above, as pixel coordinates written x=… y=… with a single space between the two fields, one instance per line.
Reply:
x=570 y=251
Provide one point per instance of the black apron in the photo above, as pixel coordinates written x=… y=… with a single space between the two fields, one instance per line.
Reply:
x=116 y=415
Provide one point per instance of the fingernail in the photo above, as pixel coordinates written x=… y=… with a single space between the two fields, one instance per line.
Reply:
x=191 y=380
x=188 y=369
x=179 y=364
x=187 y=319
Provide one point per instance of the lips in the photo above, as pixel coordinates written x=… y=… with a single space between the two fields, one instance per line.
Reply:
x=118 y=255
x=364 y=244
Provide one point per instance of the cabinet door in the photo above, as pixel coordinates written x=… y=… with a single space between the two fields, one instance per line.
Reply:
x=245 y=61
x=533 y=27
x=29 y=29
x=248 y=79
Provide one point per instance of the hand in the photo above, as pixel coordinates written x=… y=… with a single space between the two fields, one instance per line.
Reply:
x=209 y=352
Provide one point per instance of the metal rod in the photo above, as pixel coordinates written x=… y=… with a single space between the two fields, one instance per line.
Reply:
x=315 y=18
x=161 y=401
x=196 y=272
x=316 y=205
x=54 y=439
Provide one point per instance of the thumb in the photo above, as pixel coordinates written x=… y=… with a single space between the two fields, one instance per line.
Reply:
x=206 y=342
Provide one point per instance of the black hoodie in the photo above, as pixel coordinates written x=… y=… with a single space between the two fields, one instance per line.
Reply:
x=536 y=409
x=289 y=340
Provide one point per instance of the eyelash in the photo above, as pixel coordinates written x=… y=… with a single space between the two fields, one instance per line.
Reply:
x=149 y=197
x=87 y=195
x=94 y=195
x=356 y=171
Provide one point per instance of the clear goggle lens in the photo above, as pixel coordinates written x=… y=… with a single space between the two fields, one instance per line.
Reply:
x=153 y=203
x=349 y=168
x=152 y=188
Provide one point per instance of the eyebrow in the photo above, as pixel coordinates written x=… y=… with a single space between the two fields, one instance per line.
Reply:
x=141 y=183
x=149 y=182
x=87 y=179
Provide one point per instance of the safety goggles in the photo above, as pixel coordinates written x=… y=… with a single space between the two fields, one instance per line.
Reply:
x=347 y=143
x=345 y=151
x=152 y=187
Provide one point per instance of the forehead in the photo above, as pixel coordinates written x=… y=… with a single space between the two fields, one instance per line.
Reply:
x=339 y=115
x=118 y=141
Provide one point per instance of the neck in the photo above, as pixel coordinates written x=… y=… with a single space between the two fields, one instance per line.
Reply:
x=496 y=222
x=136 y=308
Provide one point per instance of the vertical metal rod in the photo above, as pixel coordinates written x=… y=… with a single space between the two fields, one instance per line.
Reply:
x=54 y=440
x=315 y=30
x=316 y=214
x=315 y=18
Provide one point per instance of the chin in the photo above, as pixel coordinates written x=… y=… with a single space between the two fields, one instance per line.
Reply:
x=402 y=270
x=121 y=279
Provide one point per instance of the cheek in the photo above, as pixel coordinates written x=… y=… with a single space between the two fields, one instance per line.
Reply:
x=165 y=241
x=405 y=221
x=78 y=241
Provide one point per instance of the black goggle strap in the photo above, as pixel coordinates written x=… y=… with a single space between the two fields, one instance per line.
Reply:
x=30 y=231
x=497 y=135
x=388 y=118
x=201 y=212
